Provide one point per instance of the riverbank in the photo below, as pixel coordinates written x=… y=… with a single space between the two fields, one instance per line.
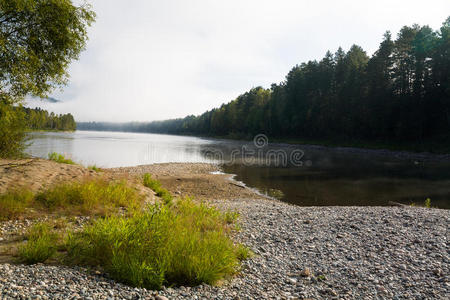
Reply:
x=300 y=252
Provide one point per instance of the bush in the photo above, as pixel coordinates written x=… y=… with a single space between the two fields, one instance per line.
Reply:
x=59 y=158
x=41 y=244
x=90 y=197
x=12 y=131
x=13 y=203
x=183 y=244
x=155 y=185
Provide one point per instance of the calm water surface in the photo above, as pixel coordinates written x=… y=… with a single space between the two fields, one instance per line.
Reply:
x=303 y=175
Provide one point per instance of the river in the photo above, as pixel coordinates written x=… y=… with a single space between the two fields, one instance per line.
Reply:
x=300 y=174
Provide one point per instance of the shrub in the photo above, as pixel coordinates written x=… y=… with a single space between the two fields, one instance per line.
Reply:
x=155 y=185
x=59 y=158
x=90 y=197
x=13 y=203
x=41 y=244
x=13 y=138
x=183 y=244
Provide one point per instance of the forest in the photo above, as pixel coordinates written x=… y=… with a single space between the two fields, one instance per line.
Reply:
x=39 y=119
x=399 y=95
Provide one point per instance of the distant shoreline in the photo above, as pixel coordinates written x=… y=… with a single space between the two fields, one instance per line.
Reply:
x=344 y=148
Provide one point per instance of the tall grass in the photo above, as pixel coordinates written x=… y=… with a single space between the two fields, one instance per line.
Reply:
x=155 y=185
x=59 y=158
x=41 y=244
x=182 y=244
x=14 y=203
x=90 y=197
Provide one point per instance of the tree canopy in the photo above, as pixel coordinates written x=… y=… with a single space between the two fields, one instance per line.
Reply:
x=38 y=40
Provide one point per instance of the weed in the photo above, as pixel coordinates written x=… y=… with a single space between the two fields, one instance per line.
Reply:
x=321 y=278
x=13 y=203
x=59 y=158
x=41 y=244
x=89 y=197
x=155 y=185
x=94 y=168
x=428 y=203
x=182 y=244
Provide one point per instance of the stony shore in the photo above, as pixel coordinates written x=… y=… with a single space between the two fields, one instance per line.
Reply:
x=300 y=253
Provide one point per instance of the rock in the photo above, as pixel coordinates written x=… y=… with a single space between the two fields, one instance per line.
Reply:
x=305 y=272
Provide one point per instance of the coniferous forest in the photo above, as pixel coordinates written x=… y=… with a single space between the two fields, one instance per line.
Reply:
x=401 y=94
x=39 y=119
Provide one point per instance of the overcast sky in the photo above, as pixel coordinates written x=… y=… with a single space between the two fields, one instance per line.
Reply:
x=151 y=60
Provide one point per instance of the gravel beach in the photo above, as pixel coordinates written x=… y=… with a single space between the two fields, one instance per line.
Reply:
x=300 y=253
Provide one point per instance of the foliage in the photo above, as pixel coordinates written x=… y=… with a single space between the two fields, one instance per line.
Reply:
x=12 y=131
x=183 y=244
x=428 y=203
x=59 y=158
x=155 y=185
x=13 y=203
x=39 y=119
x=90 y=197
x=398 y=96
x=38 y=40
x=41 y=244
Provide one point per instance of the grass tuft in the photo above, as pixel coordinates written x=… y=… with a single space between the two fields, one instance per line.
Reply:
x=14 y=202
x=41 y=244
x=427 y=203
x=155 y=185
x=90 y=197
x=94 y=168
x=182 y=244
x=59 y=158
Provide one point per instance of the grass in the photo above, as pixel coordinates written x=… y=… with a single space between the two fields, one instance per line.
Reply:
x=94 y=168
x=98 y=197
x=59 y=158
x=176 y=242
x=182 y=244
x=155 y=185
x=14 y=203
x=41 y=244
x=90 y=197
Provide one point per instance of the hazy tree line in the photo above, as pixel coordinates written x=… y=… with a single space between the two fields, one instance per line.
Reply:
x=39 y=119
x=401 y=93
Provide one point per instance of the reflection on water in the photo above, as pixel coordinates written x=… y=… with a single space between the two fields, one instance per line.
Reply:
x=312 y=175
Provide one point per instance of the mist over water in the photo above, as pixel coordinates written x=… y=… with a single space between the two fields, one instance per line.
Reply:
x=315 y=176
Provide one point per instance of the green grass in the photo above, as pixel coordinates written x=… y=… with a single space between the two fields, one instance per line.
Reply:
x=14 y=203
x=182 y=244
x=90 y=197
x=94 y=168
x=59 y=158
x=41 y=244
x=155 y=185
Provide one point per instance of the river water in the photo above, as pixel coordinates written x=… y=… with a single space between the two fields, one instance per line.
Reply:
x=299 y=174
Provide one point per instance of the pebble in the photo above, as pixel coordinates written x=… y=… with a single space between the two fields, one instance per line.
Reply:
x=337 y=253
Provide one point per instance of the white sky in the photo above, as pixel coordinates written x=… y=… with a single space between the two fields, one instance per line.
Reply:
x=151 y=60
